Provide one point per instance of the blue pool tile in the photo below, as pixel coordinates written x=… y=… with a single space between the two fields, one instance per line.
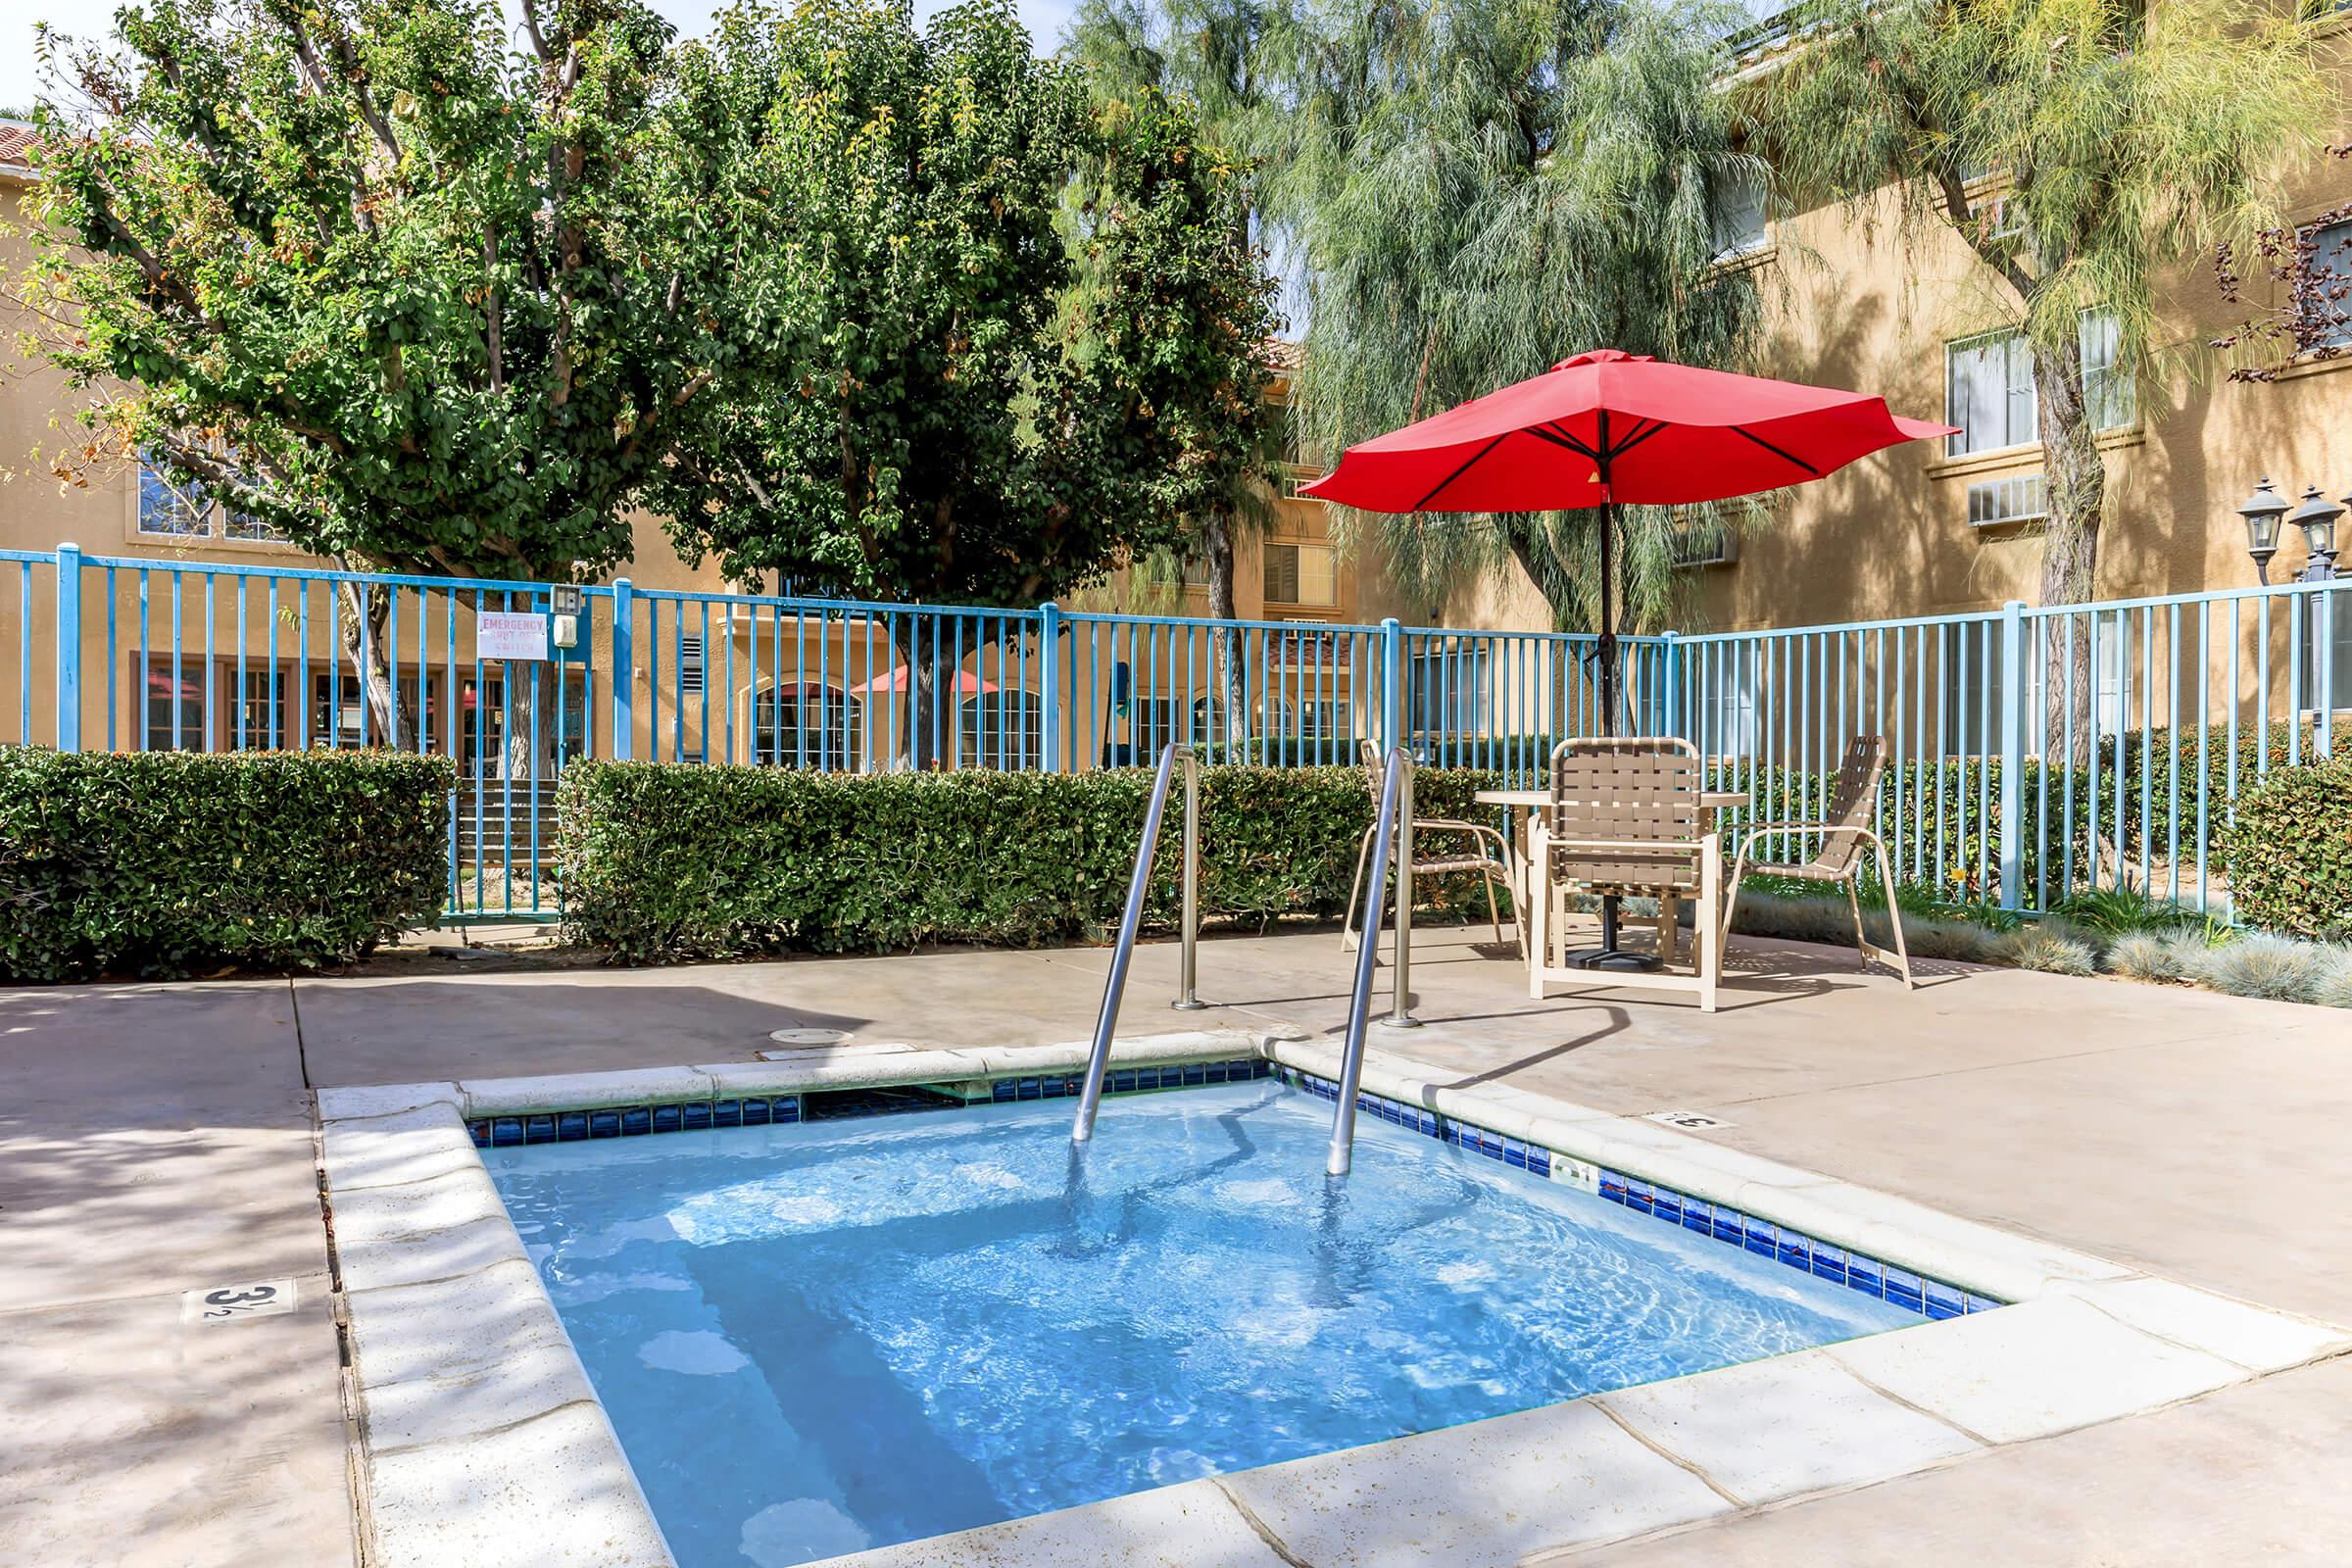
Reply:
x=727 y=1113
x=697 y=1115
x=1000 y=1091
x=787 y=1108
x=1862 y=1273
x=1699 y=1215
x=572 y=1125
x=755 y=1112
x=539 y=1129
x=1667 y=1205
x=1945 y=1297
x=1729 y=1225
x=636 y=1120
x=668 y=1118
x=1797 y=1249
x=1763 y=1237
x=506 y=1130
x=479 y=1131
x=603 y=1124
x=1828 y=1263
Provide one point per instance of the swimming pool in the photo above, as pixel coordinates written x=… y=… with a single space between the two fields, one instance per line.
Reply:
x=833 y=1335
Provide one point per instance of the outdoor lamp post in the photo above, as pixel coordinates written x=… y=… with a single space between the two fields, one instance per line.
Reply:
x=2263 y=511
x=2317 y=516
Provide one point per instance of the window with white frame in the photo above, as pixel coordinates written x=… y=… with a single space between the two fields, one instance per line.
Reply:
x=1006 y=729
x=807 y=725
x=1303 y=574
x=170 y=509
x=1988 y=386
x=1723 y=681
x=1739 y=219
x=1450 y=690
x=2323 y=299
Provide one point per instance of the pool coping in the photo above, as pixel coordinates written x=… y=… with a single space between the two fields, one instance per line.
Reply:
x=491 y=1445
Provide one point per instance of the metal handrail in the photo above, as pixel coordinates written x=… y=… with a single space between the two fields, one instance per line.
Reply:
x=1396 y=807
x=1098 y=1061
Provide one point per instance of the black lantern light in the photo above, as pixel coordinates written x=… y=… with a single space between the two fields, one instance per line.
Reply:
x=2263 y=511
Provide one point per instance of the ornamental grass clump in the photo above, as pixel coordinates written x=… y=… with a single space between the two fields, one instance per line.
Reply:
x=2144 y=956
x=2335 y=986
x=2048 y=947
x=2273 y=968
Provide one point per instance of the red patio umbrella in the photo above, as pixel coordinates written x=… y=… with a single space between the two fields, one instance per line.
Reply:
x=1608 y=426
x=965 y=683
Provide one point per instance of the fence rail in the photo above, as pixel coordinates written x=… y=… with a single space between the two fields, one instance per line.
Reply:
x=2034 y=751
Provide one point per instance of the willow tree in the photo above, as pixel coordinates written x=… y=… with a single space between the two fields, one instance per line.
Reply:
x=2083 y=151
x=1486 y=187
x=999 y=337
x=1226 y=60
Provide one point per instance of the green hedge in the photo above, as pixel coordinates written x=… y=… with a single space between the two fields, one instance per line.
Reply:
x=2287 y=850
x=663 y=861
x=160 y=865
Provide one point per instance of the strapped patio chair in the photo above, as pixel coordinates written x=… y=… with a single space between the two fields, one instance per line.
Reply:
x=1459 y=857
x=1844 y=831
x=1627 y=818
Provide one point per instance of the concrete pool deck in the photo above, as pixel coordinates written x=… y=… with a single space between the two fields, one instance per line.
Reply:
x=158 y=1139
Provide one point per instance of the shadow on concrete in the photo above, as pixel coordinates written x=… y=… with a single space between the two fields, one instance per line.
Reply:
x=501 y=1026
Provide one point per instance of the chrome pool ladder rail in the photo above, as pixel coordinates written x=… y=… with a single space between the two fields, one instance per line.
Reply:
x=1394 y=826
x=1098 y=1061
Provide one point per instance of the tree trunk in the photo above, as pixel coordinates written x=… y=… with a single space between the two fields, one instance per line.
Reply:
x=918 y=652
x=1216 y=541
x=366 y=614
x=2074 y=477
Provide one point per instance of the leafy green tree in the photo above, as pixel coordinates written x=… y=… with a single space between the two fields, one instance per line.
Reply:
x=1001 y=336
x=1227 y=58
x=1485 y=187
x=357 y=269
x=2120 y=141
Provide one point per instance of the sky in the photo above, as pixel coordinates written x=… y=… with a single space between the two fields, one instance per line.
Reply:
x=19 y=83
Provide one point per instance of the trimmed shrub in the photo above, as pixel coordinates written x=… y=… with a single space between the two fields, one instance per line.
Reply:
x=2286 y=850
x=2274 y=968
x=665 y=861
x=162 y=865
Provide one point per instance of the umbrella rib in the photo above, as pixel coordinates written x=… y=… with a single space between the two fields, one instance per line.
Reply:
x=1641 y=436
x=1561 y=438
x=1469 y=462
x=1776 y=450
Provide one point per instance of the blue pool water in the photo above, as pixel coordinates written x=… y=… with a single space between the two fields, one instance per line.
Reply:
x=824 y=1337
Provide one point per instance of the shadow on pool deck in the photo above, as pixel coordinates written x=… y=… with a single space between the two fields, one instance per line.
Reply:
x=157 y=1137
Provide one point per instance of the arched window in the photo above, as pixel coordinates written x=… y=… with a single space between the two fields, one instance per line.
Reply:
x=1003 y=729
x=808 y=725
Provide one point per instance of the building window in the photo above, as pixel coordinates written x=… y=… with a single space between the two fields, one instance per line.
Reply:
x=1007 y=729
x=1301 y=574
x=176 y=707
x=1988 y=388
x=1740 y=226
x=2323 y=293
x=168 y=509
x=1449 y=691
x=806 y=727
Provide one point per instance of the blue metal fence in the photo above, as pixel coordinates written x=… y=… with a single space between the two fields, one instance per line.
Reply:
x=2034 y=751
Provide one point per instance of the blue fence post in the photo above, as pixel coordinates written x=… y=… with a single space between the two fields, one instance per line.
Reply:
x=1049 y=680
x=625 y=669
x=1392 y=684
x=1670 y=684
x=2016 y=692
x=69 y=648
